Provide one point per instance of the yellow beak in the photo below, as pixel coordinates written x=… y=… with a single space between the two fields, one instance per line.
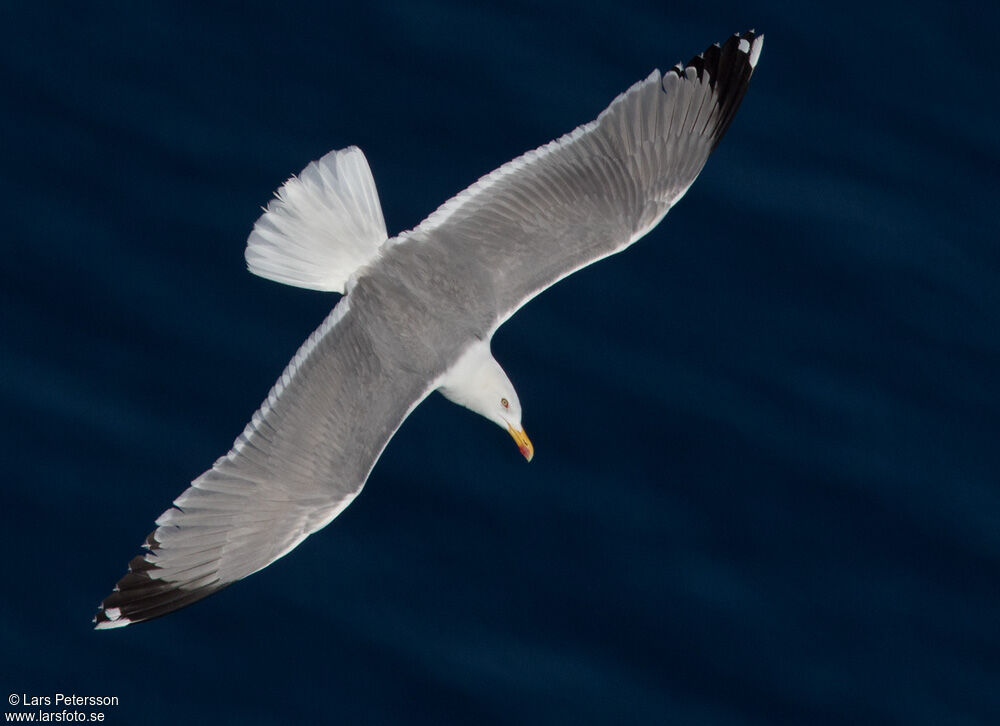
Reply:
x=522 y=441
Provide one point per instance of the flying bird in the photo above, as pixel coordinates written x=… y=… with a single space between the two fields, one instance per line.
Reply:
x=417 y=315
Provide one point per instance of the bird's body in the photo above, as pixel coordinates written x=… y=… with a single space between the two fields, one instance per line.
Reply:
x=418 y=315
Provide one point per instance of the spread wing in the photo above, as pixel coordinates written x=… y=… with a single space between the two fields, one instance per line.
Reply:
x=300 y=461
x=598 y=189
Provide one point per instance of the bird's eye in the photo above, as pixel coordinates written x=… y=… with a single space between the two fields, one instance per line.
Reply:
x=505 y=403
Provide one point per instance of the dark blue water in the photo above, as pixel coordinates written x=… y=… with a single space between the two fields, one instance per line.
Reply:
x=766 y=483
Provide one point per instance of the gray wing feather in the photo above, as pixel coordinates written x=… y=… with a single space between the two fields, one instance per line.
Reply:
x=300 y=461
x=598 y=189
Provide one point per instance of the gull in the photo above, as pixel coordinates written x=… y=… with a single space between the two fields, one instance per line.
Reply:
x=417 y=315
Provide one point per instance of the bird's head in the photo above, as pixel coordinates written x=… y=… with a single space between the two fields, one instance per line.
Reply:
x=507 y=415
x=479 y=383
x=495 y=398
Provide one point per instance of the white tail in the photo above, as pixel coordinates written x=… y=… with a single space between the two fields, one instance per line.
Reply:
x=322 y=225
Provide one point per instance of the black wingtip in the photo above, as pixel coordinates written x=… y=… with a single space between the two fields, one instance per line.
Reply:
x=140 y=595
x=727 y=68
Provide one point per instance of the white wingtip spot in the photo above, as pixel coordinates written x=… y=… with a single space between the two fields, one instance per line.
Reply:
x=758 y=44
x=744 y=45
x=115 y=620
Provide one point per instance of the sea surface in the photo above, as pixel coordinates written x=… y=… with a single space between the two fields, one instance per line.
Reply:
x=766 y=484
